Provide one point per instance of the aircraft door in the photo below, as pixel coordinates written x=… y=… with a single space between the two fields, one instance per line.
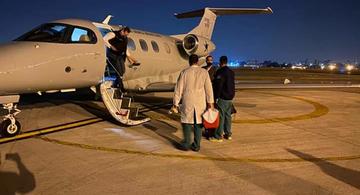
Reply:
x=88 y=60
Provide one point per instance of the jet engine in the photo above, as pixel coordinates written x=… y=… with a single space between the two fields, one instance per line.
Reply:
x=194 y=44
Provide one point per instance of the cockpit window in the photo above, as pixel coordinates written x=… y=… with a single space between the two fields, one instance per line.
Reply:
x=46 y=33
x=80 y=35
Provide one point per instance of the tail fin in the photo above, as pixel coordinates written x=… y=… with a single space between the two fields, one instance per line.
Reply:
x=206 y=26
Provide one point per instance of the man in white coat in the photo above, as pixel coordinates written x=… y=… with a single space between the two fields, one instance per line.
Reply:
x=194 y=89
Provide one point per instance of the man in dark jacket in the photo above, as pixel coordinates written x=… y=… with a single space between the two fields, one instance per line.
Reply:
x=224 y=93
x=117 y=42
x=211 y=70
x=210 y=67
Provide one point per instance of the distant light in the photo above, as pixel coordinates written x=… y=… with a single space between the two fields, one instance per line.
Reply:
x=299 y=67
x=234 y=64
x=350 y=67
x=332 y=67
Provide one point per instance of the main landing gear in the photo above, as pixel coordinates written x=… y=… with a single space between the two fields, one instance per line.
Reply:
x=9 y=126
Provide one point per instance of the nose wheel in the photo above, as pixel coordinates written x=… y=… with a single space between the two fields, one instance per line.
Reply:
x=10 y=127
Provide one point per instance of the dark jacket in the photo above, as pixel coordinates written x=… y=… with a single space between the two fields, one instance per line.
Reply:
x=224 y=84
x=211 y=70
x=120 y=43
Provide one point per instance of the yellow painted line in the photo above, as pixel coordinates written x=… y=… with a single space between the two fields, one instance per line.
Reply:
x=193 y=157
x=319 y=110
x=50 y=130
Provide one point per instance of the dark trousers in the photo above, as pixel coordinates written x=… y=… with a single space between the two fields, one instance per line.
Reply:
x=209 y=133
x=187 y=128
x=118 y=64
x=225 y=107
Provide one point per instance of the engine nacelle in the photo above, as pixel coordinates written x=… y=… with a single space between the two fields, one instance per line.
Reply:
x=198 y=45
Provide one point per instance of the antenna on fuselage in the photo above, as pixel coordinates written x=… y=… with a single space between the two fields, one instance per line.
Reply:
x=107 y=19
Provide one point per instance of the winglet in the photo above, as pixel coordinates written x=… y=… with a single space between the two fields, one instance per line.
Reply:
x=107 y=19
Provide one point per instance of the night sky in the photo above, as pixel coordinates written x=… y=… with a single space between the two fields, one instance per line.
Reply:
x=298 y=29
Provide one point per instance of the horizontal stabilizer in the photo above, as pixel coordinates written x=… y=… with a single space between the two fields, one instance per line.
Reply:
x=224 y=11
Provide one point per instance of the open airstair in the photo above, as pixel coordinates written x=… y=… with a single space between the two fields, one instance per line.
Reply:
x=119 y=106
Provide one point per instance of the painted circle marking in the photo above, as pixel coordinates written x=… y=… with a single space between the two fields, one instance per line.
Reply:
x=196 y=157
x=319 y=111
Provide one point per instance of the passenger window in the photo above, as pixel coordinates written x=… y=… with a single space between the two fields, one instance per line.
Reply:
x=143 y=45
x=155 y=46
x=54 y=33
x=167 y=48
x=80 y=35
x=131 y=44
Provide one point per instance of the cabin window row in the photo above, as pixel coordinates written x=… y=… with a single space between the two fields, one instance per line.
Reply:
x=144 y=46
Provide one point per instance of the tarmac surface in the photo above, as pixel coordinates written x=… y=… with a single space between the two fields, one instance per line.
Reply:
x=286 y=141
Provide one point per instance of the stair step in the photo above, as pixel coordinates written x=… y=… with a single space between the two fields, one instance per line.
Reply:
x=115 y=102
x=134 y=112
x=126 y=103
x=117 y=94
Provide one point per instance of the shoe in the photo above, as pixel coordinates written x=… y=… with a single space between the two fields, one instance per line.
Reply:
x=182 y=148
x=228 y=137
x=195 y=149
x=213 y=139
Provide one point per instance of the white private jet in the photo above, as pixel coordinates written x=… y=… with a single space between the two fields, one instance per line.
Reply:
x=64 y=55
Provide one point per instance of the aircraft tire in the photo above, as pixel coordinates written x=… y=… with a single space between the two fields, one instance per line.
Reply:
x=7 y=130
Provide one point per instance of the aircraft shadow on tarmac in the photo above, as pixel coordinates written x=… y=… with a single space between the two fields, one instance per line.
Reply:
x=12 y=183
x=342 y=174
x=156 y=104
x=28 y=100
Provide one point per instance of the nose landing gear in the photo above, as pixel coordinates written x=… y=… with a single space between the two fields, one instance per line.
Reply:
x=10 y=127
